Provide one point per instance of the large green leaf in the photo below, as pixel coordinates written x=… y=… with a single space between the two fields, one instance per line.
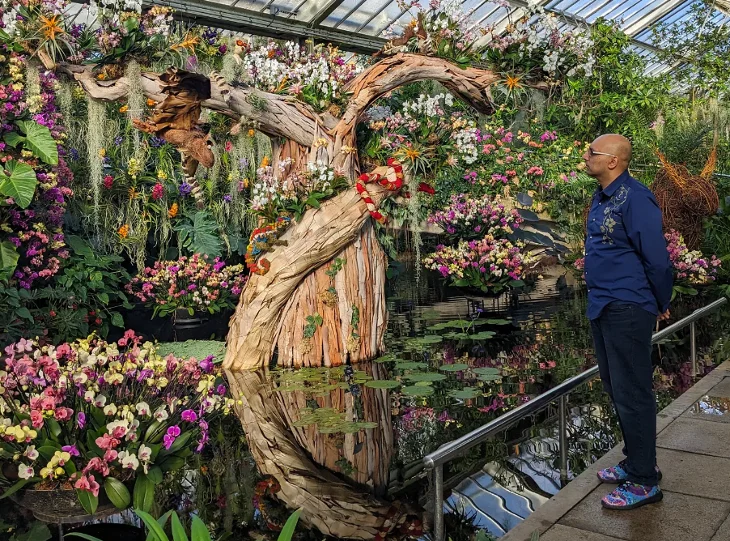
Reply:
x=38 y=139
x=152 y=525
x=161 y=521
x=198 y=531
x=287 y=532
x=21 y=183
x=37 y=532
x=178 y=532
x=88 y=501
x=8 y=259
x=117 y=493
x=200 y=235
x=144 y=493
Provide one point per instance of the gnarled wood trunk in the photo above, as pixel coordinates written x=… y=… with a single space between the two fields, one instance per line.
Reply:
x=271 y=313
x=330 y=503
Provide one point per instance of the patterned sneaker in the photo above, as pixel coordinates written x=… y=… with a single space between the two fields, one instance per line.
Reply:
x=617 y=474
x=630 y=496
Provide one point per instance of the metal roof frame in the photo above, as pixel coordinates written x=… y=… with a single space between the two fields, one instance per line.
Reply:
x=640 y=16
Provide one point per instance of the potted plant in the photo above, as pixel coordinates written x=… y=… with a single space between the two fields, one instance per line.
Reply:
x=89 y=420
x=188 y=289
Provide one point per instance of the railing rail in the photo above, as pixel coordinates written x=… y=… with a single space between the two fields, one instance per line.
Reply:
x=435 y=461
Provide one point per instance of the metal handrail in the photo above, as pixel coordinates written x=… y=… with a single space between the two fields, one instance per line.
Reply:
x=435 y=461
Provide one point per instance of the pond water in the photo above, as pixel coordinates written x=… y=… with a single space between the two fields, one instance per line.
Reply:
x=453 y=363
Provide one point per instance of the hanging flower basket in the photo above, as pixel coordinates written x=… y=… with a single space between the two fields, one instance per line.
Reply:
x=60 y=505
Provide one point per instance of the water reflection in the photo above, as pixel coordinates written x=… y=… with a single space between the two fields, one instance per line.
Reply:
x=345 y=443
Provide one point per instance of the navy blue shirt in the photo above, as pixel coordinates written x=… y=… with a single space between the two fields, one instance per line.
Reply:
x=626 y=253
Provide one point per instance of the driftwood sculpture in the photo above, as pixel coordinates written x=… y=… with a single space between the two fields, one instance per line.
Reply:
x=175 y=119
x=270 y=318
x=686 y=199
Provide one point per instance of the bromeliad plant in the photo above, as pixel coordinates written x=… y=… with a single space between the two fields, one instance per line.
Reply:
x=191 y=283
x=89 y=414
x=489 y=264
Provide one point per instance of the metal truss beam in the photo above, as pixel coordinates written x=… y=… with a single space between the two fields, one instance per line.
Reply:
x=650 y=18
x=325 y=12
x=253 y=22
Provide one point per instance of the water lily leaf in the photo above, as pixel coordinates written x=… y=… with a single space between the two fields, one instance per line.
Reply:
x=417 y=390
x=487 y=371
x=483 y=335
x=410 y=365
x=457 y=335
x=489 y=377
x=386 y=358
x=427 y=376
x=465 y=393
x=423 y=384
x=456 y=367
x=382 y=384
x=497 y=321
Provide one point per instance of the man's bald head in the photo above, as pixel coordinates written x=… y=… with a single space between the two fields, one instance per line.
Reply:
x=613 y=143
x=607 y=157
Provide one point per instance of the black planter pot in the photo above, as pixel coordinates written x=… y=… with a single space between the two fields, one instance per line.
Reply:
x=199 y=326
x=111 y=532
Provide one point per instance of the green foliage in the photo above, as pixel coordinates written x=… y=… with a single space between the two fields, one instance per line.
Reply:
x=618 y=97
x=700 y=43
x=19 y=182
x=287 y=532
x=39 y=141
x=335 y=267
x=199 y=235
x=312 y=323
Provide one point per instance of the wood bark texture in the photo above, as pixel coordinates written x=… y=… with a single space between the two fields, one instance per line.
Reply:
x=369 y=451
x=330 y=503
x=314 y=241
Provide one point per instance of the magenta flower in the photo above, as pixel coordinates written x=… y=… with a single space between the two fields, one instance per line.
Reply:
x=189 y=416
x=71 y=449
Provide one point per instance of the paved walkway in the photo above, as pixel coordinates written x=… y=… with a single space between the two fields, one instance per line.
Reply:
x=693 y=448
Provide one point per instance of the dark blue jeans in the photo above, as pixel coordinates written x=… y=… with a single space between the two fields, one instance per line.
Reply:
x=622 y=337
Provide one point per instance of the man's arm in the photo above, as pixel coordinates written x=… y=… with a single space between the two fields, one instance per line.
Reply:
x=643 y=223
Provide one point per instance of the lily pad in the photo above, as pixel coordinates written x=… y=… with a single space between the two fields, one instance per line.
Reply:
x=484 y=335
x=382 y=384
x=487 y=371
x=465 y=393
x=410 y=365
x=457 y=335
x=427 y=376
x=386 y=358
x=456 y=367
x=489 y=377
x=423 y=341
x=417 y=390
x=498 y=321
x=454 y=324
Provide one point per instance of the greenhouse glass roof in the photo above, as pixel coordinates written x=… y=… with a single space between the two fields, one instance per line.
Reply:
x=359 y=25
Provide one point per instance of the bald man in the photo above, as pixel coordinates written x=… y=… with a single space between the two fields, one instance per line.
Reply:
x=629 y=278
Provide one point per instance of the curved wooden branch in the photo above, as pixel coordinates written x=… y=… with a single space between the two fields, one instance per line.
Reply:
x=471 y=84
x=273 y=114
x=317 y=238
x=335 y=507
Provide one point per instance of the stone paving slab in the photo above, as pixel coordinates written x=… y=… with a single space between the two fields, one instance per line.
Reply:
x=684 y=515
x=678 y=517
x=566 y=533
x=697 y=436
x=723 y=534
x=687 y=473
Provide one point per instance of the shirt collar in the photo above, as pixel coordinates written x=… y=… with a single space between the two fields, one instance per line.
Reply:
x=611 y=189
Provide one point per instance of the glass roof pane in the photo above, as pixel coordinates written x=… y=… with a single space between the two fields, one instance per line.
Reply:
x=353 y=13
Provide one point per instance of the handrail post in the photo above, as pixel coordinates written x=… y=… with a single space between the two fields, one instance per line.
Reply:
x=693 y=347
x=563 y=438
x=438 y=502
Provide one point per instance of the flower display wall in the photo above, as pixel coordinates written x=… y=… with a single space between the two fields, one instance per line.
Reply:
x=91 y=414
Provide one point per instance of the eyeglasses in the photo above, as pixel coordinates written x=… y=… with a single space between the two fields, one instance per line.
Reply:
x=596 y=153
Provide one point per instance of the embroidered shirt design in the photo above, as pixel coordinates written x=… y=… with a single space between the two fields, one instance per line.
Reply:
x=610 y=213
